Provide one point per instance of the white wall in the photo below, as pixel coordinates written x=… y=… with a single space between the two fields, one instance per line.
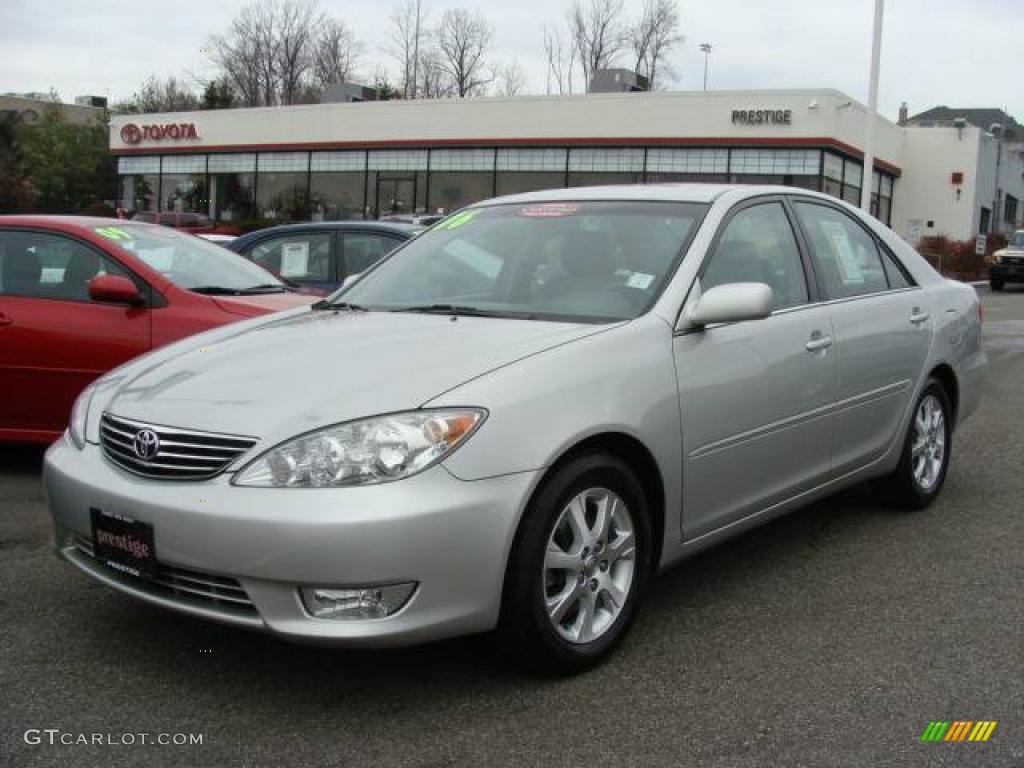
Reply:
x=925 y=191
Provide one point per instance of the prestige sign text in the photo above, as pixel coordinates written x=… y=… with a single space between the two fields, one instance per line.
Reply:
x=762 y=117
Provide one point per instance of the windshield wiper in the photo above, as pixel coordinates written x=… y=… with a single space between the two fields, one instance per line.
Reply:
x=451 y=309
x=265 y=288
x=214 y=290
x=325 y=304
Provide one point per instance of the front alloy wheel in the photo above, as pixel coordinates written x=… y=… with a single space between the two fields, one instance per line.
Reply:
x=580 y=557
x=589 y=565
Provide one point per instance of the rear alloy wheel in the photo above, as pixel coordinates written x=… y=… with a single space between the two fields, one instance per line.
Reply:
x=577 y=567
x=926 y=450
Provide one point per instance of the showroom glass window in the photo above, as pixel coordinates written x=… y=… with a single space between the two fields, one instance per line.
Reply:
x=183 y=184
x=282 y=186
x=396 y=182
x=337 y=185
x=706 y=165
x=832 y=176
x=600 y=165
x=140 y=183
x=232 y=183
x=459 y=177
x=529 y=170
x=788 y=167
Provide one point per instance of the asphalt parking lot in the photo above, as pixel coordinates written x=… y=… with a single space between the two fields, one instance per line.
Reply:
x=830 y=637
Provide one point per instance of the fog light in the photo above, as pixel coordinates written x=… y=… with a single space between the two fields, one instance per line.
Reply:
x=356 y=603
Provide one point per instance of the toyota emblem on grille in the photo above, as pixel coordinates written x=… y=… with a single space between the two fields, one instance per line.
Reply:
x=146 y=444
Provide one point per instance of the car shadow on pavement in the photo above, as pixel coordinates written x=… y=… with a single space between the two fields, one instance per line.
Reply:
x=210 y=660
x=22 y=459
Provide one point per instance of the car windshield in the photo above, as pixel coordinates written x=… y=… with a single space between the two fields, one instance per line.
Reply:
x=1017 y=241
x=191 y=262
x=592 y=261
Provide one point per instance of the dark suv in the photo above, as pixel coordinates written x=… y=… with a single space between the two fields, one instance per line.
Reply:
x=1009 y=263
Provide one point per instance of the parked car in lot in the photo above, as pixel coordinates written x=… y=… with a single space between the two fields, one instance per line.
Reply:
x=193 y=223
x=519 y=416
x=1008 y=264
x=318 y=256
x=79 y=296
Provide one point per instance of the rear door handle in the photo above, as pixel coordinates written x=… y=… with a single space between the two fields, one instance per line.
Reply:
x=917 y=316
x=5 y=320
x=818 y=341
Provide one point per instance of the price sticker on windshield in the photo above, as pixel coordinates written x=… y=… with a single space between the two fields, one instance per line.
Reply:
x=112 y=233
x=548 y=210
x=458 y=220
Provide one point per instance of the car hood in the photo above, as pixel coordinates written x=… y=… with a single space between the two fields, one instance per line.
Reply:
x=261 y=304
x=316 y=368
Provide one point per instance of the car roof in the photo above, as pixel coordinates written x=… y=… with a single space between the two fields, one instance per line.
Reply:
x=660 y=192
x=58 y=221
x=394 y=228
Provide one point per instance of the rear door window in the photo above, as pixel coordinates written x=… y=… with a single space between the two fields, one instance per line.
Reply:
x=299 y=257
x=846 y=256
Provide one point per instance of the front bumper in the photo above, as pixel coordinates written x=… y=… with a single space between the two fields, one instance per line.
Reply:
x=1007 y=273
x=450 y=536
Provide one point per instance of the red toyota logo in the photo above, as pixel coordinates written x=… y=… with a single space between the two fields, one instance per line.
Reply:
x=131 y=133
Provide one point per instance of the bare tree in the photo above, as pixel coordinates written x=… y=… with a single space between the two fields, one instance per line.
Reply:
x=510 y=79
x=596 y=34
x=335 y=53
x=157 y=95
x=295 y=22
x=463 y=39
x=269 y=54
x=653 y=37
x=406 y=33
x=434 y=82
x=561 y=60
x=243 y=56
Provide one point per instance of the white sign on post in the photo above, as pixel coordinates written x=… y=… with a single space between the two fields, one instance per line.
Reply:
x=980 y=242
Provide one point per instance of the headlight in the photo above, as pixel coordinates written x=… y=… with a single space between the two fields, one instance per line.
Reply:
x=373 y=450
x=998 y=257
x=80 y=416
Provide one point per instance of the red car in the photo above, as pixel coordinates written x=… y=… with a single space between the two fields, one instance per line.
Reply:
x=79 y=296
x=193 y=223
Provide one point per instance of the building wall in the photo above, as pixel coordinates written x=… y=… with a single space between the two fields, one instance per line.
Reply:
x=31 y=110
x=671 y=117
x=931 y=154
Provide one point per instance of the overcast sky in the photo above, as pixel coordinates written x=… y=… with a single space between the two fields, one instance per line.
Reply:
x=967 y=53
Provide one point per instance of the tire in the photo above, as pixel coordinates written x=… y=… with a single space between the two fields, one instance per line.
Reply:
x=587 y=582
x=996 y=284
x=918 y=479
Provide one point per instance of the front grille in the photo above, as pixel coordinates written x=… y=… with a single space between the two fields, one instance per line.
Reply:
x=181 y=454
x=182 y=585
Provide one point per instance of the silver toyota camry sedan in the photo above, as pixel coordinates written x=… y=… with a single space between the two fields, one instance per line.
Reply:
x=518 y=417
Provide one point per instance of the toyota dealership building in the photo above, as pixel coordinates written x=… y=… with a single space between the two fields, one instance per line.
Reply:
x=372 y=159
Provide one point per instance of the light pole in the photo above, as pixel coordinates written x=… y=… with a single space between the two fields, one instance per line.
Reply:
x=867 y=181
x=706 y=47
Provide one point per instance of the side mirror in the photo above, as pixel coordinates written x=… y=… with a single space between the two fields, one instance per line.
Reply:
x=732 y=303
x=350 y=279
x=114 y=289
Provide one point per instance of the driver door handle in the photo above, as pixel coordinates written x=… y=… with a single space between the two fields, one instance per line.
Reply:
x=917 y=316
x=5 y=320
x=818 y=342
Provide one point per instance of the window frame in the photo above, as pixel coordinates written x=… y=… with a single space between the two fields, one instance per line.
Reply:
x=152 y=298
x=886 y=256
x=810 y=276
